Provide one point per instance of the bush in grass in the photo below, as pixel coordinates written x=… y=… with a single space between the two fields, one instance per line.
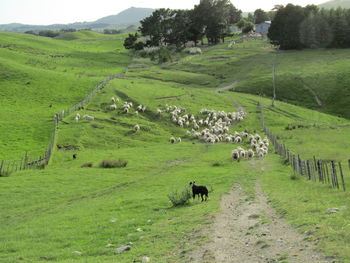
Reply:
x=5 y=174
x=84 y=165
x=294 y=176
x=120 y=163
x=180 y=198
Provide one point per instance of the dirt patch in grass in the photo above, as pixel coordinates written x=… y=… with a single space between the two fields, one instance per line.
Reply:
x=251 y=231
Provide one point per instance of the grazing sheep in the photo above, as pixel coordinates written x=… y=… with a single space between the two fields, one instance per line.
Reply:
x=250 y=153
x=199 y=190
x=77 y=117
x=113 y=107
x=136 y=127
x=235 y=155
x=172 y=140
x=113 y=100
x=88 y=118
x=238 y=139
x=179 y=139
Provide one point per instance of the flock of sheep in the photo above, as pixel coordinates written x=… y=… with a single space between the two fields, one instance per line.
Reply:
x=212 y=127
x=125 y=107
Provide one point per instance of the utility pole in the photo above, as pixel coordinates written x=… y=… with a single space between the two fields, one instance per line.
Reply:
x=273 y=82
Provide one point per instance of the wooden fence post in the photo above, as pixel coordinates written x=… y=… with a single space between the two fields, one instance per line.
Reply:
x=308 y=170
x=320 y=175
x=342 y=176
x=334 y=174
x=327 y=173
x=26 y=161
x=1 y=166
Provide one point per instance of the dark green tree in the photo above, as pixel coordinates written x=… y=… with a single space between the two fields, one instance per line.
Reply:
x=260 y=16
x=285 y=28
x=157 y=26
x=130 y=41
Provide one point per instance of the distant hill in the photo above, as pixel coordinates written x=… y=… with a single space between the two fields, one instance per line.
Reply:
x=124 y=19
x=130 y=16
x=335 y=4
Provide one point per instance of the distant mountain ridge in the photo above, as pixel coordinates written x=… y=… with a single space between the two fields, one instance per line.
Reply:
x=335 y=4
x=128 y=17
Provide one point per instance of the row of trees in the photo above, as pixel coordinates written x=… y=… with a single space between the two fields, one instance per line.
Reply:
x=210 y=19
x=296 y=27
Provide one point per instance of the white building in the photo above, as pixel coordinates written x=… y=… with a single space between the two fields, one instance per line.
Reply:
x=263 y=28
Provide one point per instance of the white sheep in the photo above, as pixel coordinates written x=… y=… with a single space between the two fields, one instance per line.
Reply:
x=136 y=127
x=88 y=118
x=179 y=139
x=235 y=155
x=113 y=107
x=172 y=140
x=250 y=153
x=77 y=117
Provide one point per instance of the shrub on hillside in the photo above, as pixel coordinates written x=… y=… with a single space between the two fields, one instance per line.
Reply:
x=180 y=198
x=88 y=164
x=4 y=173
x=120 y=163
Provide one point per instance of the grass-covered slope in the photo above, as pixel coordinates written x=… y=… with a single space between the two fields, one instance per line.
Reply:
x=317 y=79
x=41 y=76
x=66 y=208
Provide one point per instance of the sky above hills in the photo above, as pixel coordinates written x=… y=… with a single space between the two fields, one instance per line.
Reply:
x=44 y=12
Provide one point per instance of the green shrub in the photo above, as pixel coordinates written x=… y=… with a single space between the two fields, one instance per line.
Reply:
x=88 y=164
x=180 y=198
x=120 y=163
x=4 y=173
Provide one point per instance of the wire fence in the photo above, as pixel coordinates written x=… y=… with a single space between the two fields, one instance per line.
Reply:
x=324 y=171
x=39 y=162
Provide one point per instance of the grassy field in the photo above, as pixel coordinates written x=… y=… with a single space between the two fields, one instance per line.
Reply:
x=48 y=214
x=300 y=76
x=40 y=76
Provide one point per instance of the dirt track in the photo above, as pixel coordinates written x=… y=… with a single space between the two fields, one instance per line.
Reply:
x=251 y=232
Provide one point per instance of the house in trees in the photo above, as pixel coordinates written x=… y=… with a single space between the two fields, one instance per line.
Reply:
x=263 y=28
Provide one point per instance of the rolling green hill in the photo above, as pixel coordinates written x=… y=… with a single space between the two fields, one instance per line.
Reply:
x=317 y=79
x=40 y=76
x=66 y=213
x=335 y=4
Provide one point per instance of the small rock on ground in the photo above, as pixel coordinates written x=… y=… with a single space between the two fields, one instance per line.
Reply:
x=146 y=259
x=121 y=249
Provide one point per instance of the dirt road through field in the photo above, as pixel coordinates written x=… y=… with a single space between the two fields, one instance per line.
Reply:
x=249 y=231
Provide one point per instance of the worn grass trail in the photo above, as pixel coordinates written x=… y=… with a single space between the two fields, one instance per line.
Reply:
x=248 y=229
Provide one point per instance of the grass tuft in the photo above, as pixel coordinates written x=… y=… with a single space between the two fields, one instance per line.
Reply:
x=88 y=164
x=120 y=163
x=180 y=198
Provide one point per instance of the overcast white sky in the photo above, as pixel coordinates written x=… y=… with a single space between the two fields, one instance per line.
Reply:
x=43 y=12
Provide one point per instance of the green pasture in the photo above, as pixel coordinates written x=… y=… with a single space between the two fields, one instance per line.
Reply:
x=48 y=214
x=41 y=76
x=299 y=75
